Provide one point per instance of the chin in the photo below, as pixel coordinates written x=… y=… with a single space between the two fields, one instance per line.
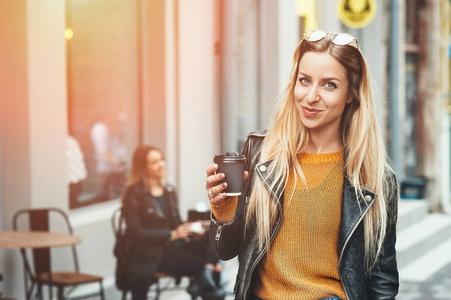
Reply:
x=309 y=125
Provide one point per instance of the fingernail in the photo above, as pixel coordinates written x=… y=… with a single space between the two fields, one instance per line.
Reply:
x=215 y=166
x=223 y=195
x=224 y=185
x=221 y=175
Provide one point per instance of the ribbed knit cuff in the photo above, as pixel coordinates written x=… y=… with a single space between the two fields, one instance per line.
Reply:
x=224 y=212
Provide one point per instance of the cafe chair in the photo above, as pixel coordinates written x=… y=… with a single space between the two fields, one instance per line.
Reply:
x=162 y=281
x=38 y=270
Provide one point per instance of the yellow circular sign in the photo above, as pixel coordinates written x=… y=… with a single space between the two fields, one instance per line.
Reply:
x=356 y=13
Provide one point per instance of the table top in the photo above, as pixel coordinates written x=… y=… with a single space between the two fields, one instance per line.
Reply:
x=36 y=239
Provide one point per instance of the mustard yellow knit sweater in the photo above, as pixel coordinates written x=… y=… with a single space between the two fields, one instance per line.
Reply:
x=302 y=262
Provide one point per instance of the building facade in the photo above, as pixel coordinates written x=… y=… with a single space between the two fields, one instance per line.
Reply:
x=192 y=77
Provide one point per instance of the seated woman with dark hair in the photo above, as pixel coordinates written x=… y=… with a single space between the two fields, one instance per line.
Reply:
x=159 y=240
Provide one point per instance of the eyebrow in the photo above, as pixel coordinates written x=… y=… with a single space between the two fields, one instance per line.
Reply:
x=323 y=79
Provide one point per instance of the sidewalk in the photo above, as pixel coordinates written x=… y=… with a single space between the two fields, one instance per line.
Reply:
x=438 y=287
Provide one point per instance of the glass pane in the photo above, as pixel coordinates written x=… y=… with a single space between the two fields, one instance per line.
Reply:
x=103 y=93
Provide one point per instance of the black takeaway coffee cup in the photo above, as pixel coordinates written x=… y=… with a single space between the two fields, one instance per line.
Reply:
x=232 y=165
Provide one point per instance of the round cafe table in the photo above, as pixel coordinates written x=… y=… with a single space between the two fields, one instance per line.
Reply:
x=20 y=239
x=17 y=239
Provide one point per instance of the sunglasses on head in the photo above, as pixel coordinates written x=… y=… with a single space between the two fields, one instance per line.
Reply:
x=340 y=39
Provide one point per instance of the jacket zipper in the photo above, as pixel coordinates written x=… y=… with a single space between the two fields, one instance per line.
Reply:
x=218 y=234
x=346 y=243
x=263 y=252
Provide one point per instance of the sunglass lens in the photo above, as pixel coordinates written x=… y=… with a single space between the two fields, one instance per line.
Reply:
x=316 y=36
x=343 y=39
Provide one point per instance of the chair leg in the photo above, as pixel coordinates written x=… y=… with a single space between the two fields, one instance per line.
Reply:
x=102 y=294
x=124 y=295
x=60 y=292
x=39 y=291
x=29 y=292
x=158 y=290
x=50 y=292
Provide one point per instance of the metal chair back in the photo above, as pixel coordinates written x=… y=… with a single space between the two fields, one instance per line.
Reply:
x=118 y=226
x=41 y=267
x=39 y=220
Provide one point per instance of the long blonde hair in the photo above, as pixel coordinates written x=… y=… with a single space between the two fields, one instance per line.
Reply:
x=365 y=156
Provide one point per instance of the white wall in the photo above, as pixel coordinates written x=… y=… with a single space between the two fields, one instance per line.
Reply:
x=14 y=130
x=199 y=140
x=47 y=103
x=33 y=116
x=14 y=108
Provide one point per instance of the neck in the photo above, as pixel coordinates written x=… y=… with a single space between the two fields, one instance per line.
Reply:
x=324 y=142
x=154 y=183
x=155 y=186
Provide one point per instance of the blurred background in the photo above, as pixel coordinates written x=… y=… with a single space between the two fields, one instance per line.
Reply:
x=83 y=82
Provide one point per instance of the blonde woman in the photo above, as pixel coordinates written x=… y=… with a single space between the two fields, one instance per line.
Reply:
x=159 y=240
x=317 y=217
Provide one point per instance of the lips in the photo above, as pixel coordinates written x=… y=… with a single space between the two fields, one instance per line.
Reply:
x=310 y=112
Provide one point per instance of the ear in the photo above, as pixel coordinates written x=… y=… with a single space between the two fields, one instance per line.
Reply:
x=349 y=100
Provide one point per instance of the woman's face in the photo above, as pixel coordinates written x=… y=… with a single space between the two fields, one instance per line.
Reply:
x=321 y=92
x=156 y=165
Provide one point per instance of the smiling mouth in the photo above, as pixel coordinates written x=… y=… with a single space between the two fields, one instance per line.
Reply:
x=310 y=111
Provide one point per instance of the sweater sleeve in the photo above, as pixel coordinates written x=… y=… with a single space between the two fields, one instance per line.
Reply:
x=224 y=212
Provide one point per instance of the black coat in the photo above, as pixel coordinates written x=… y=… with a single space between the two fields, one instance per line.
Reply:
x=148 y=228
x=227 y=239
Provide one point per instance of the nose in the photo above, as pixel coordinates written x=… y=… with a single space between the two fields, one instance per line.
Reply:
x=312 y=95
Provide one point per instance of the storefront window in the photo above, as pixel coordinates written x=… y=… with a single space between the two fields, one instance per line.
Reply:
x=103 y=94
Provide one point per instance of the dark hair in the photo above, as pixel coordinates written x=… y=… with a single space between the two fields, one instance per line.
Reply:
x=139 y=162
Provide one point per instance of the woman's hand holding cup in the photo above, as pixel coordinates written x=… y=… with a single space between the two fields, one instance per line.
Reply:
x=216 y=185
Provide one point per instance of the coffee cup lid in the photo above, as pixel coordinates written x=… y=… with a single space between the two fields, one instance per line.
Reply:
x=229 y=157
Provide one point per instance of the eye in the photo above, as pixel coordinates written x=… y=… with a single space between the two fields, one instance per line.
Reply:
x=304 y=80
x=330 y=85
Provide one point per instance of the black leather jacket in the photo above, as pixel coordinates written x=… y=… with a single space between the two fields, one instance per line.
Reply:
x=148 y=227
x=227 y=239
